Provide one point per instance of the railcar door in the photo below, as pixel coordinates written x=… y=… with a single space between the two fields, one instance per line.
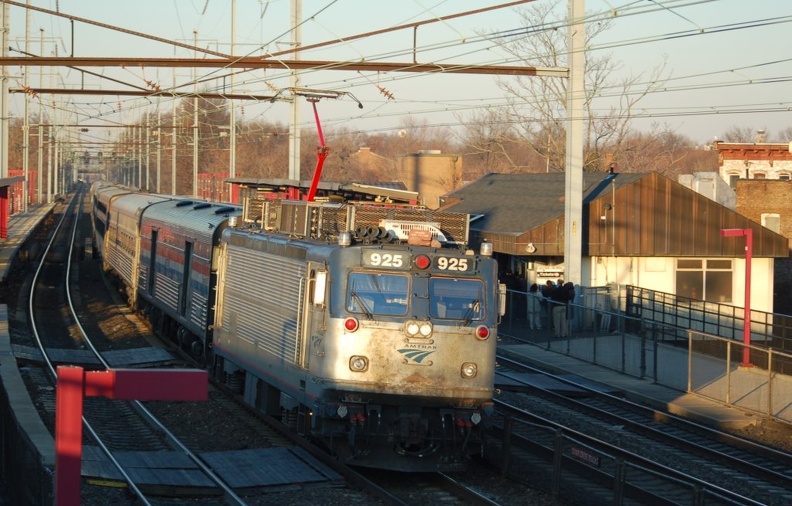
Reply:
x=184 y=292
x=152 y=267
x=315 y=308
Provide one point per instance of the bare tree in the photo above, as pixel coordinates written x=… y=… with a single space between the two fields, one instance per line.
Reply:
x=661 y=150
x=491 y=144
x=538 y=104
x=739 y=134
x=784 y=135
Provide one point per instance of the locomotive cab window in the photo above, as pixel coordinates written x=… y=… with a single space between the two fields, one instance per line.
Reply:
x=377 y=294
x=459 y=299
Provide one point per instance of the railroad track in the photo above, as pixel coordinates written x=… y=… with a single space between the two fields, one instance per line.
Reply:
x=627 y=452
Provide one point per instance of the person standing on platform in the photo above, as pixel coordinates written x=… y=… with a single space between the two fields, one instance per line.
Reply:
x=559 y=299
x=547 y=294
x=534 y=308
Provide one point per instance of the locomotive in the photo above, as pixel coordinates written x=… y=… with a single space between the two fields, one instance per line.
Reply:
x=370 y=328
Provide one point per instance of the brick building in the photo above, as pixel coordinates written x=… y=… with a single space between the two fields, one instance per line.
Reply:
x=759 y=160
x=760 y=174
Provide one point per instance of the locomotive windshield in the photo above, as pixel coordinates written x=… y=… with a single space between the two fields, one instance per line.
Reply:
x=460 y=299
x=380 y=294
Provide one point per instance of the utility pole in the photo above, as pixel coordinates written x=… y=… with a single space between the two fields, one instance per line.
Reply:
x=159 y=147
x=232 y=112
x=294 y=124
x=40 y=126
x=573 y=198
x=4 y=14
x=195 y=123
x=26 y=122
x=173 y=141
x=148 y=151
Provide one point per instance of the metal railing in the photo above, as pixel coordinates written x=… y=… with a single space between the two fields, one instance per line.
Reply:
x=716 y=318
x=757 y=381
x=646 y=345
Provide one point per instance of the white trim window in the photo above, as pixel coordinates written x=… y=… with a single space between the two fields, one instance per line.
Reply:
x=707 y=279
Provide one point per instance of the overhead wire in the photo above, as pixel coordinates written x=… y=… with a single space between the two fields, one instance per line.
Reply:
x=628 y=9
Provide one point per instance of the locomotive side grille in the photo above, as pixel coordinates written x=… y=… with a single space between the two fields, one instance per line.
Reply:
x=262 y=292
x=253 y=210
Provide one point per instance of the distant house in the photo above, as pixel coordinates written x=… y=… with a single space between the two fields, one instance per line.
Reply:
x=759 y=160
x=643 y=230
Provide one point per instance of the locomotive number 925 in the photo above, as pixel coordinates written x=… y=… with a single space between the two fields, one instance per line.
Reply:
x=402 y=261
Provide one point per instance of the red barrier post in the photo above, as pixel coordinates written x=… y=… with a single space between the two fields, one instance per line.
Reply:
x=748 y=234
x=121 y=384
x=68 y=434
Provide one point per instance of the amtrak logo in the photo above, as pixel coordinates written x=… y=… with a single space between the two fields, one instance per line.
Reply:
x=416 y=357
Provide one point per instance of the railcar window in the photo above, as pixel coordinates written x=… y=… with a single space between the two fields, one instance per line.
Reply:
x=458 y=299
x=377 y=294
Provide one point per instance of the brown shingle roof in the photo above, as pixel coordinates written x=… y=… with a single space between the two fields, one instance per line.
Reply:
x=515 y=203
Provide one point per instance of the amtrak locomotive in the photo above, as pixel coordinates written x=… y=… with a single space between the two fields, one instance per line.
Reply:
x=370 y=328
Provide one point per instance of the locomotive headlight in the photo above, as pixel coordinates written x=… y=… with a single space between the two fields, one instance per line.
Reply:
x=418 y=329
x=469 y=370
x=358 y=363
x=425 y=329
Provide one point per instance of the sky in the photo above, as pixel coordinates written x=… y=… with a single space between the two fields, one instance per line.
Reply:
x=726 y=62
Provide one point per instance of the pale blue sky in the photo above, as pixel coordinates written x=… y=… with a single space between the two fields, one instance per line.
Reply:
x=718 y=57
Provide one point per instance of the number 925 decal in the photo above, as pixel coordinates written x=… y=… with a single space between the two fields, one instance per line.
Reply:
x=386 y=259
x=453 y=264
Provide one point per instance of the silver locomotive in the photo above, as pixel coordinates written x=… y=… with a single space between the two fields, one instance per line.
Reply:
x=369 y=328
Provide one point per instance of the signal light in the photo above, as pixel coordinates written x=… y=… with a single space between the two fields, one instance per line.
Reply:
x=482 y=332
x=422 y=261
x=351 y=324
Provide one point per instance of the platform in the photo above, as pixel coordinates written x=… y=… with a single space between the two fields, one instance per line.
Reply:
x=20 y=226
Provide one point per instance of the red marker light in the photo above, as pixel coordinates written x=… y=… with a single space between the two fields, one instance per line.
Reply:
x=422 y=261
x=351 y=324
x=482 y=332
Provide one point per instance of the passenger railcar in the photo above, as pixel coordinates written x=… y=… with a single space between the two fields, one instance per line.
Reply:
x=122 y=237
x=370 y=328
x=178 y=262
x=101 y=196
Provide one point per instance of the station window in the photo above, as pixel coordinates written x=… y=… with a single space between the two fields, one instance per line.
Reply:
x=707 y=279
